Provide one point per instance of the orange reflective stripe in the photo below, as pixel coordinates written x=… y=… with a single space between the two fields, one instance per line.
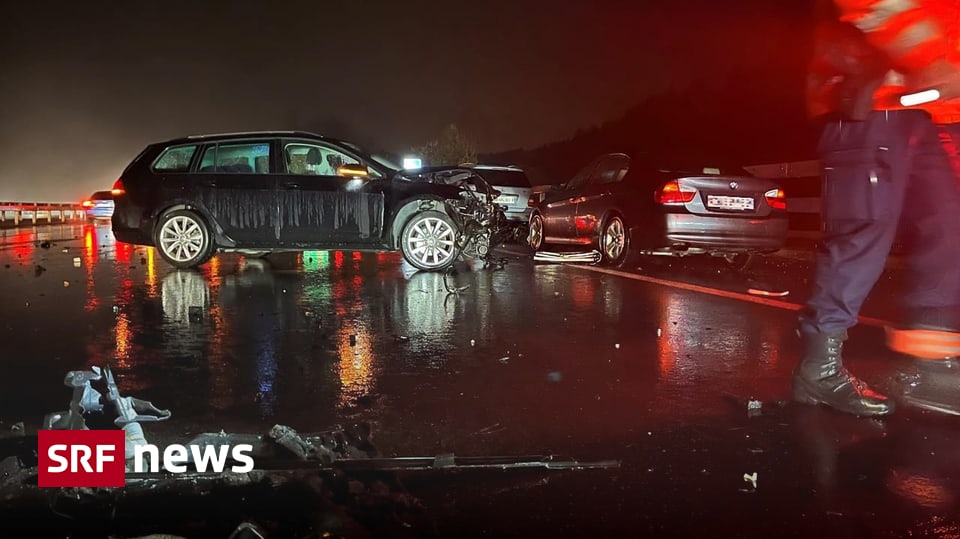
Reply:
x=926 y=344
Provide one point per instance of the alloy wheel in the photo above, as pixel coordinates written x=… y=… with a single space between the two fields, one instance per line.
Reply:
x=182 y=238
x=614 y=239
x=431 y=241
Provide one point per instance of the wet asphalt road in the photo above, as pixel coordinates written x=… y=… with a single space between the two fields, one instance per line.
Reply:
x=530 y=359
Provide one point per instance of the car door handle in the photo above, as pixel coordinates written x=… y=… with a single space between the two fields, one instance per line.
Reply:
x=291 y=185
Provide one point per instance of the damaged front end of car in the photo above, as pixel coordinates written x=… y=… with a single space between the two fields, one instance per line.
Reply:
x=481 y=222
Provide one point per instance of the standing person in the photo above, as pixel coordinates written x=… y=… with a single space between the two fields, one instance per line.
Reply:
x=884 y=169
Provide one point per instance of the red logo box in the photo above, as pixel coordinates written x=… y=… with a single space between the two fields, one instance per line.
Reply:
x=81 y=458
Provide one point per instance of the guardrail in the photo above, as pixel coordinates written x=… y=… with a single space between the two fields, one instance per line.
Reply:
x=17 y=212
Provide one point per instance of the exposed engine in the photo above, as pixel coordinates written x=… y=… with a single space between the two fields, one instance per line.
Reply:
x=483 y=224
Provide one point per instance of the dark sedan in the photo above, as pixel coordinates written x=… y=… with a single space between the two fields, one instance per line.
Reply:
x=625 y=208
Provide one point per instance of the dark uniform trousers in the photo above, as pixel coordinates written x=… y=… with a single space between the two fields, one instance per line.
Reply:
x=883 y=178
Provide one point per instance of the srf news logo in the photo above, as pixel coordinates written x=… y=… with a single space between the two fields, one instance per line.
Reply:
x=81 y=458
x=97 y=458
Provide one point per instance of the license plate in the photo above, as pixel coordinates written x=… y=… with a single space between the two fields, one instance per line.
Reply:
x=506 y=199
x=729 y=203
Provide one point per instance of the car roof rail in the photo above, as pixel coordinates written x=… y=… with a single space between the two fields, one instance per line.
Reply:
x=245 y=133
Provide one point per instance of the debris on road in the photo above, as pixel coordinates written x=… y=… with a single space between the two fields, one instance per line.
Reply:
x=555 y=376
x=45 y=245
x=496 y=427
x=452 y=289
x=339 y=460
x=76 y=261
x=504 y=359
x=473 y=342
x=38 y=270
x=753 y=407
x=617 y=346
x=751 y=478
x=65 y=250
x=66 y=284
x=589 y=257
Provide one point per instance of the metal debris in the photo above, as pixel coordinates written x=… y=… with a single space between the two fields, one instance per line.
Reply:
x=751 y=478
x=591 y=257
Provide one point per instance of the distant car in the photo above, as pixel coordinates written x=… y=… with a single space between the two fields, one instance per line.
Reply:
x=99 y=205
x=625 y=208
x=263 y=192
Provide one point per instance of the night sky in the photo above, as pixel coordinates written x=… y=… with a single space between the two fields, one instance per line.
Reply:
x=86 y=85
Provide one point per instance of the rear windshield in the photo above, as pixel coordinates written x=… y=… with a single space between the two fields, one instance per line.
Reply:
x=102 y=195
x=504 y=178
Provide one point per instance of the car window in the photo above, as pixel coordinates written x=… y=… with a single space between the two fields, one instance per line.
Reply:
x=611 y=169
x=175 y=159
x=582 y=177
x=317 y=160
x=504 y=178
x=233 y=158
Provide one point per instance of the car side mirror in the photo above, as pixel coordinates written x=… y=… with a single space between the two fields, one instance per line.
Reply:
x=353 y=171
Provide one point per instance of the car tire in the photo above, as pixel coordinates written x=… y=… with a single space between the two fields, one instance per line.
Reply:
x=614 y=241
x=429 y=241
x=739 y=261
x=183 y=239
x=535 y=232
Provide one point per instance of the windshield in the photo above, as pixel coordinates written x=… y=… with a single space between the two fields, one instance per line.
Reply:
x=385 y=161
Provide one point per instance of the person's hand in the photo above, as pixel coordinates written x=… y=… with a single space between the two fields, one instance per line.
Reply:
x=940 y=75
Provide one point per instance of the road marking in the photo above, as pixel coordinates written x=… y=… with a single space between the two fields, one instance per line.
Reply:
x=865 y=320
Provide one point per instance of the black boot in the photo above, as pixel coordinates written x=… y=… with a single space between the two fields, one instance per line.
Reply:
x=933 y=385
x=821 y=379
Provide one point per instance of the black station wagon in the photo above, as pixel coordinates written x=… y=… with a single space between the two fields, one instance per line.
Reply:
x=263 y=192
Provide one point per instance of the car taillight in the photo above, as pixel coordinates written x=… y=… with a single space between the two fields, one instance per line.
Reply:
x=776 y=199
x=87 y=203
x=118 y=188
x=672 y=193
